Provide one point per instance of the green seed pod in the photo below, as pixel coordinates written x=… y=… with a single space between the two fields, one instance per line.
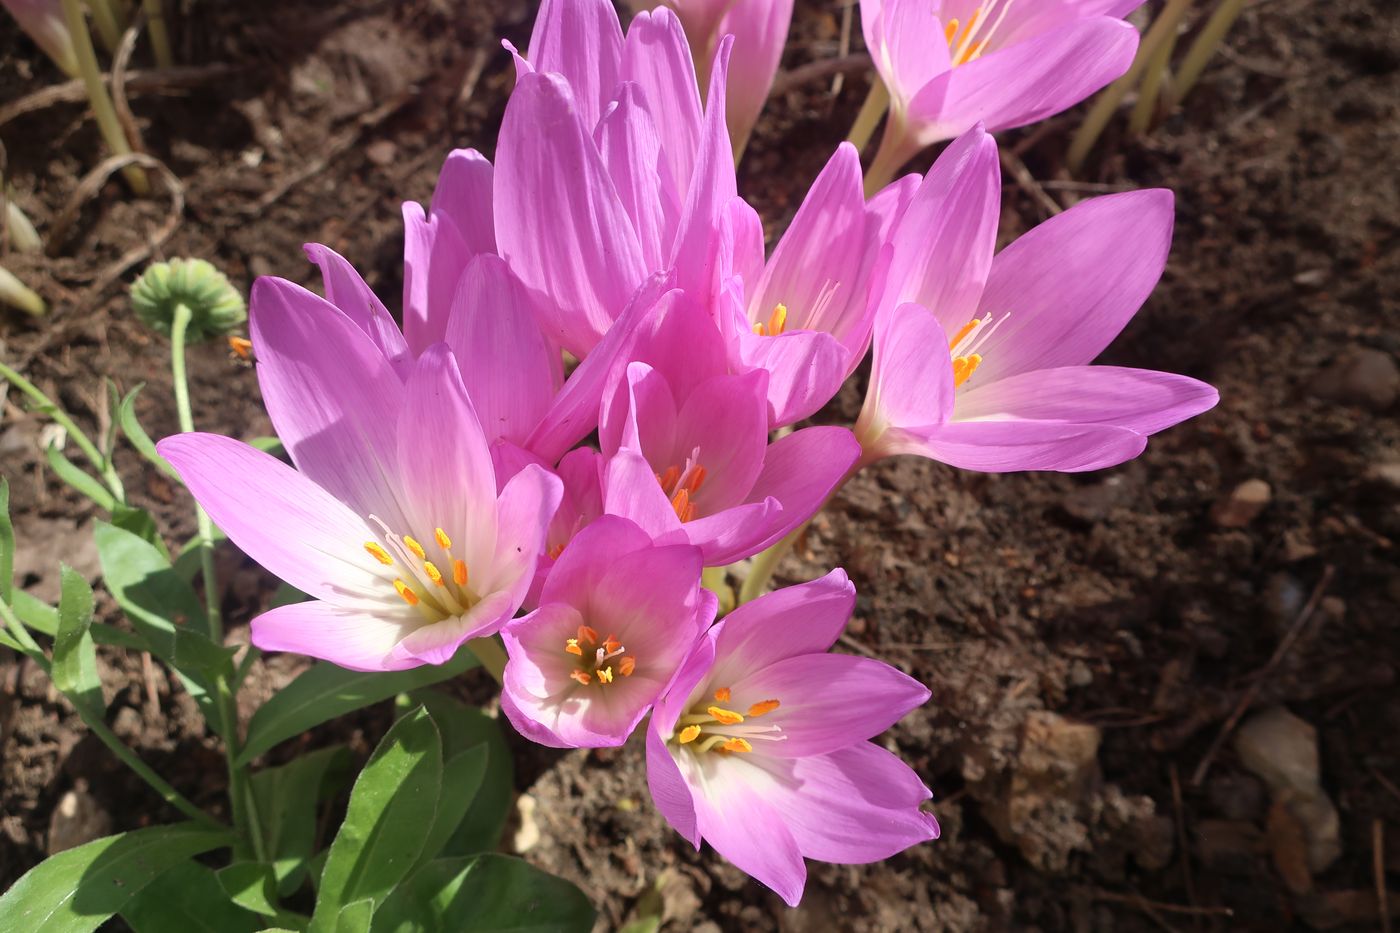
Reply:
x=215 y=306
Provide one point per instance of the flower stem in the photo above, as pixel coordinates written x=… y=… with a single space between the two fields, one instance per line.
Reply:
x=492 y=655
x=102 y=109
x=888 y=158
x=60 y=417
x=106 y=20
x=877 y=101
x=160 y=37
x=765 y=562
x=99 y=728
x=1201 y=50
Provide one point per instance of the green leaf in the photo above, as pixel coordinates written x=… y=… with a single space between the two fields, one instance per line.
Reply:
x=461 y=778
x=485 y=894
x=250 y=885
x=465 y=727
x=187 y=899
x=7 y=544
x=325 y=691
x=394 y=799
x=43 y=618
x=269 y=445
x=71 y=474
x=286 y=798
x=147 y=589
x=74 y=655
x=286 y=595
x=355 y=918
x=131 y=427
x=140 y=523
x=76 y=890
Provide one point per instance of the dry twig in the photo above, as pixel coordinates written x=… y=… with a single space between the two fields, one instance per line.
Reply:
x=119 y=64
x=814 y=71
x=1178 y=817
x=137 y=82
x=1027 y=183
x=1246 y=700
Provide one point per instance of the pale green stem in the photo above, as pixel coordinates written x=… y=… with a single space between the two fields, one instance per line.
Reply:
x=889 y=157
x=178 y=328
x=715 y=579
x=60 y=417
x=18 y=295
x=1107 y=102
x=99 y=728
x=492 y=655
x=105 y=19
x=765 y=562
x=1156 y=72
x=23 y=237
x=160 y=37
x=1204 y=47
x=877 y=101
x=102 y=109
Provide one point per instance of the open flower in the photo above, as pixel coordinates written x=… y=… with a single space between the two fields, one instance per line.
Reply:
x=687 y=452
x=983 y=362
x=617 y=617
x=760 y=746
x=760 y=29
x=949 y=64
x=391 y=519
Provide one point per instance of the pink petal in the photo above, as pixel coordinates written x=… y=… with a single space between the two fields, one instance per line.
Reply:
x=656 y=57
x=640 y=415
x=802 y=470
x=743 y=827
x=726 y=420
x=347 y=291
x=1141 y=400
x=682 y=342
x=805 y=370
x=944 y=243
x=280 y=518
x=439 y=642
x=356 y=641
x=560 y=224
x=630 y=489
x=805 y=619
x=672 y=795
x=510 y=370
x=906 y=44
x=760 y=31
x=1024 y=82
x=1072 y=283
x=581 y=40
x=434 y=255
x=829 y=701
x=332 y=396
x=627 y=141
x=853 y=806
x=463 y=195
x=911 y=377
x=1007 y=446
x=523 y=513
x=741 y=245
x=735 y=533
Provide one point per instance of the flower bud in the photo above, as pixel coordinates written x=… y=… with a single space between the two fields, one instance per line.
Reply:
x=215 y=306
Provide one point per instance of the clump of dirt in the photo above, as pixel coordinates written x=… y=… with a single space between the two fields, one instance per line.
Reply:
x=1087 y=638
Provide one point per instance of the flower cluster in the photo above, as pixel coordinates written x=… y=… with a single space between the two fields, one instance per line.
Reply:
x=443 y=490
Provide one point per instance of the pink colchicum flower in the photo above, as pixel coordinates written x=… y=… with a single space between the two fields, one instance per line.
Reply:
x=760 y=29
x=982 y=362
x=687 y=453
x=760 y=745
x=617 y=617
x=43 y=21
x=949 y=64
x=607 y=169
x=391 y=519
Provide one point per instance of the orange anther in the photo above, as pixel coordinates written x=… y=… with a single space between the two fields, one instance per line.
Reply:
x=412 y=544
x=689 y=734
x=724 y=716
x=697 y=478
x=589 y=635
x=737 y=745
x=963 y=332
x=681 y=503
x=761 y=707
x=242 y=347
x=626 y=666
x=433 y=573
x=582 y=677
x=459 y=572
x=555 y=551
x=407 y=594
x=442 y=539
x=950 y=31
x=722 y=694
x=378 y=552
x=670 y=478
x=572 y=647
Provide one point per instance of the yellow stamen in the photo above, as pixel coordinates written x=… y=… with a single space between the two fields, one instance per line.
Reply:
x=681 y=503
x=626 y=666
x=725 y=716
x=459 y=572
x=433 y=573
x=689 y=734
x=415 y=547
x=722 y=694
x=963 y=367
x=587 y=634
x=778 y=321
x=758 y=329
x=950 y=31
x=408 y=595
x=761 y=707
x=582 y=677
x=605 y=675
x=963 y=332
x=737 y=745
x=443 y=540
x=378 y=553
x=572 y=647
x=975 y=51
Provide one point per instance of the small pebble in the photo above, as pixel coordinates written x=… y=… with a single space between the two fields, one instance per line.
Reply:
x=1360 y=376
x=1243 y=504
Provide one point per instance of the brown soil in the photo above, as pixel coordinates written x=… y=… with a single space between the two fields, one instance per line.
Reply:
x=1086 y=638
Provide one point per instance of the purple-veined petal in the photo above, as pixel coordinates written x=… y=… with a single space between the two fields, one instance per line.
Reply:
x=805 y=619
x=280 y=518
x=510 y=370
x=911 y=377
x=354 y=640
x=559 y=222
x=805 y=370
x=726 y=420
x=1141 y=400
x=332 y=396
x=434 y=256
x=1068 y=286
x=673 y=796
x=802 y=470
x=627 y=141
x=437 y=643
x=581 y=40
x=347 y=291
x=906 y=44
x=463 y=194
x=1008 y=446
x=656 y=57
